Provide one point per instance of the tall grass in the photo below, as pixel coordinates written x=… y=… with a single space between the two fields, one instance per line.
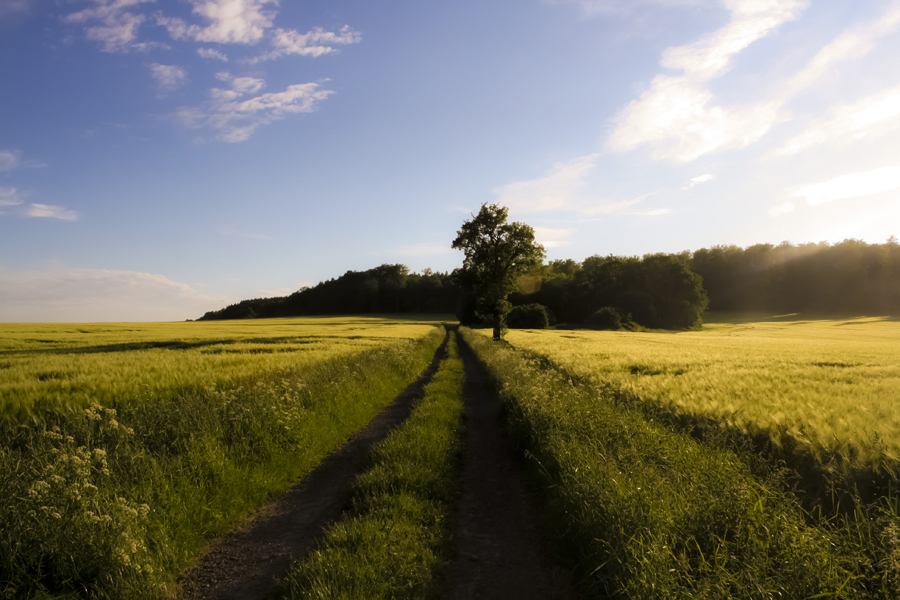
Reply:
x=821 y=394
x=645 y=512
x=393 y=541
x=115 y=503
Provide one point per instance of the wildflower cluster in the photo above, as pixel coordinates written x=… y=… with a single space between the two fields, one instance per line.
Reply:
x=65 y=520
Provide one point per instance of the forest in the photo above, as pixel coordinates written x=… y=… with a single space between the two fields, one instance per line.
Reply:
x=667 y=291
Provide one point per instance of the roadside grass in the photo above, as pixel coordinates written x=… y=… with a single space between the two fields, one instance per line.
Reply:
x=642 y=511
x=115 y=503
x=393 y=541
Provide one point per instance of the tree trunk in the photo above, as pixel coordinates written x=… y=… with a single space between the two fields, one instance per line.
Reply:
x=497 y=316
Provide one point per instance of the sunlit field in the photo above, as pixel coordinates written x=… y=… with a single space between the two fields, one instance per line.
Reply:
x=71 y=365
x=830 y=384
x=125 y=447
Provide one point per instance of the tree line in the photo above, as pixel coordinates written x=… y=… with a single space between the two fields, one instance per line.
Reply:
x=669 y=291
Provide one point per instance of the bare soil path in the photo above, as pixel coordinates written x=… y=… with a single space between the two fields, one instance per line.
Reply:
x=244 y=564
x=499 y=549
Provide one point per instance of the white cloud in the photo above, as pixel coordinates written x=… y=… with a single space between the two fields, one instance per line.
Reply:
x=84 y=295
x=854 y=44
x=562 y=189
x=10 y=160
x=854 y=185
x=751 y=20
x=781 y=209
x=9 y=196
x=235 y=120
x=313 y=43
x=209 y=53
x=677 y=116
x=425 y=249
x=229 y=21
x=168 y=77
x=113 y=26
x=550 y=238
x=52 y=212
x=699 y=180
x=869 y=117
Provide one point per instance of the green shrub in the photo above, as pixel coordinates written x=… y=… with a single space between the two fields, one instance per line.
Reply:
x=528 y=316
x=605 y=318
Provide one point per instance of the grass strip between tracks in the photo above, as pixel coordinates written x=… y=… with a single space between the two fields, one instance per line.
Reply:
x=394 y=538
x=113 y=504
x=640 y=511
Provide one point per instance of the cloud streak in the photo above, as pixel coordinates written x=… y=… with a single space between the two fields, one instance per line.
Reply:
x=46 y=211
x=677 y=116
x=84 y=295
x=313 y=43
x=870 y=117
x=563 y=188
x=235 y=117
x=854 y=185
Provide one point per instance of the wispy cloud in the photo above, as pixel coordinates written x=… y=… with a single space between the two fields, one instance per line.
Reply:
x=699 y=180
x=235 y=118
x=851 y=45
x=9 y=196
x=10 y=8
x=228 y=21
x=870 y=117
x=563 y=188
x=112 y=24
x=678 y=118
x=67 y=295
x=313 y=43
x=51 y=212
x=209 y=53
x=10 y=160
x=854 y=185
x=552 y=238
x=168 y=77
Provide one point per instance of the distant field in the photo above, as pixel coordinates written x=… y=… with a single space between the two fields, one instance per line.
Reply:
x=72 y=365
x=830 y=384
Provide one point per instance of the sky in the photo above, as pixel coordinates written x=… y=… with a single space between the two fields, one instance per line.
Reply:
x=163 y=158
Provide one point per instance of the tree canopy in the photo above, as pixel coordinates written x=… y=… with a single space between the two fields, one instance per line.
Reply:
x=496 y=254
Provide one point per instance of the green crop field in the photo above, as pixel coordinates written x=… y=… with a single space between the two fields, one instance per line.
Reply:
x=73 y=365
x=831 y=385
x=125 y=447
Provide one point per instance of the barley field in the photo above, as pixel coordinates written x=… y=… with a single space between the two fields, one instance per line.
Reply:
x=831 y=385
x=53 y=365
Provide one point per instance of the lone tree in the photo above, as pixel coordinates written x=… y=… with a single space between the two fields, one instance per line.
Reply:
x=497 y=253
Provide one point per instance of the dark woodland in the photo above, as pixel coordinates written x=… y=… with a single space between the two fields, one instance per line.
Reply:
x=667 y=291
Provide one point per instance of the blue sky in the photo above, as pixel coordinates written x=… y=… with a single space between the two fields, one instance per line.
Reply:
x=159 y=159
